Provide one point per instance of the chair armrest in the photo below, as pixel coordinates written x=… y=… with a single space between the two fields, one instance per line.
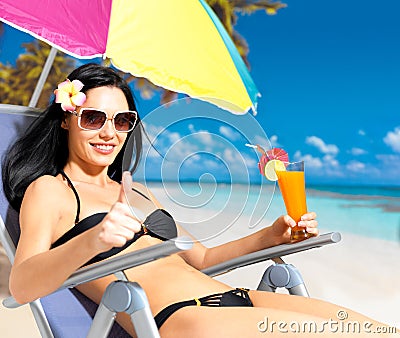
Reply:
x=273 y=252
x=167 y=248
x=130 y=260
x=113 y=265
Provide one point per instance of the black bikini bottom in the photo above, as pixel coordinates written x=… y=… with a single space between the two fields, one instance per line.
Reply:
x=236 y=297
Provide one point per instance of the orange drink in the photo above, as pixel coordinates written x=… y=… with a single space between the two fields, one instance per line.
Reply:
x=292 y=186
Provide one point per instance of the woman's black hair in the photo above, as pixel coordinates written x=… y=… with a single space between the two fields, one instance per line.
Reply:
x=43 y=149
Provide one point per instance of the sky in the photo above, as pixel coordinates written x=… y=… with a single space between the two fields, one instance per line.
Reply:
x=329 y=75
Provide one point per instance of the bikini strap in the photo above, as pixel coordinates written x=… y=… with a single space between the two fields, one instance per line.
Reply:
x=63 y=174
x=140 y=193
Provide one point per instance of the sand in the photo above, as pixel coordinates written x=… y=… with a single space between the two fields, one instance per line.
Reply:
x=14 y=323
x=359 y=273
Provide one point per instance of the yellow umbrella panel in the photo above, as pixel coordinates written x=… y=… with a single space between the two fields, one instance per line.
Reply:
x=180 y=45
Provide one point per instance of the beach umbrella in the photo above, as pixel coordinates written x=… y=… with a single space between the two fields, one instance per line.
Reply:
x=179 y=45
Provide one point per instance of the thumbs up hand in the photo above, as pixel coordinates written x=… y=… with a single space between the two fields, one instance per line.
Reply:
x=119 y=225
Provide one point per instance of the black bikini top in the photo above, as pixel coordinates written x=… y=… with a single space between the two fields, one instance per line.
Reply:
x=159 y=224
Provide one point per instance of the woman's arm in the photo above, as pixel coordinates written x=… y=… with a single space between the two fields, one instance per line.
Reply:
x=202 y=257
x=37 y=270
x=47 y=205
x=277 y=233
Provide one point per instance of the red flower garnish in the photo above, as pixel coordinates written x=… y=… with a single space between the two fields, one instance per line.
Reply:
x=273 y=154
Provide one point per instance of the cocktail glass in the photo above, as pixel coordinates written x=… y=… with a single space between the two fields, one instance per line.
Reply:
x=292 y=186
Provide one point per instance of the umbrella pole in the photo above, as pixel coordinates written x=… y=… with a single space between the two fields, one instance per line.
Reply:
x=43 y=76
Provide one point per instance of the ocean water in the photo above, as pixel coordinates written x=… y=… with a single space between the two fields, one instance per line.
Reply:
x=368 y=211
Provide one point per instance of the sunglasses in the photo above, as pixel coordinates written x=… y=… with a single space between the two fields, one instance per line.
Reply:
x=95 y=119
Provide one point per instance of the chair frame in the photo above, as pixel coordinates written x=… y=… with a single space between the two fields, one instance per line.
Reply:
x=117 y=293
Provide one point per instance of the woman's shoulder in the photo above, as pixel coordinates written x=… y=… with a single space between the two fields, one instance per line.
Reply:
x=48 y=197
x=47 y=185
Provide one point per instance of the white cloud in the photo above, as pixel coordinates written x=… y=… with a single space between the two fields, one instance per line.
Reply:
x=327 y=166
x=274 y=141
x=310 y=161
x=229 y=156
x=190 y=150
x=389 y=165
x=322 y=146
x=204 y=137
x=330 y=161
x=262 y=140
x=167 y=143
x=211 y=164
x=361 y=132
x=179 y=151
x=250 y=162
x=173 y=137
x=388 y=160
x=355 y=166
x=152 y=130
x=234 y=157
x=201 y=135
x=229 y=133
x=357 y=151
x=239 y=165
x=392 y=139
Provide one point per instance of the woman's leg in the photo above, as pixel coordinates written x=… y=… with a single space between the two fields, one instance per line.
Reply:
x=209 y=322
x=273 y=314
x=335 y=315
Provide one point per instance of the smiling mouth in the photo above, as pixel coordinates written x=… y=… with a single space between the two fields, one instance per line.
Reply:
x=104 y=147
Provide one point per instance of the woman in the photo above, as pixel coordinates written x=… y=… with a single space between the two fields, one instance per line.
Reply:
x=63 y=177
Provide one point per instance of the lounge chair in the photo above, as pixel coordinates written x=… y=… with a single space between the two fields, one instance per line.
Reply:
x=68 y=313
